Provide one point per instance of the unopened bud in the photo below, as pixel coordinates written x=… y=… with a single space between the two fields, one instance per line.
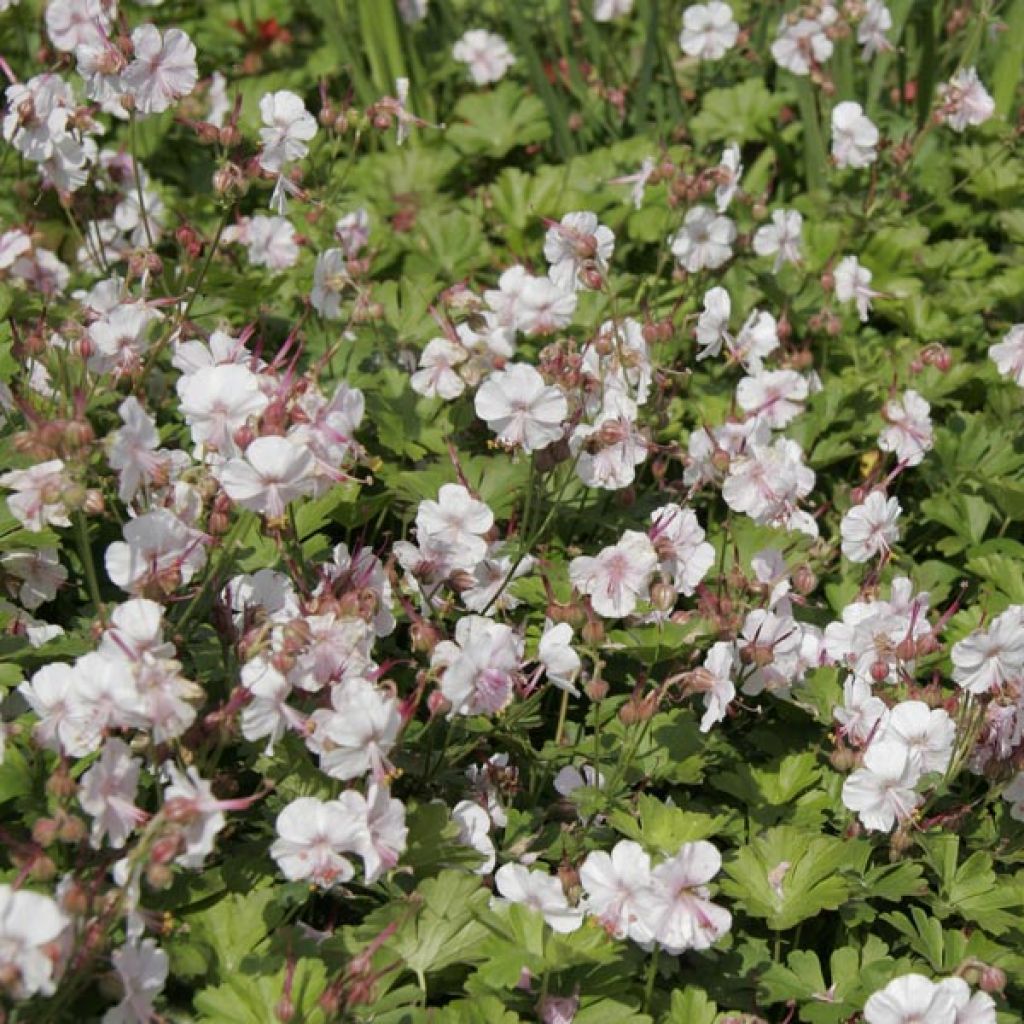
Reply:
x=593 y=632
x=596 y=688
x=72 y=830
x=159 y=876
x=879 y=671
x=438 y=703
x=43 y=869
x=423 y=636
x=804 y=580
x=663 y=596
x=93 y=504
x=44 y=832
x=285 y=1009
x=992 y=979
x=843 y=759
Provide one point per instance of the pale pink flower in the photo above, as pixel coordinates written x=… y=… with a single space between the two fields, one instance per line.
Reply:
x=38 y=498
x=576 y=247
x=781 y=239
x=617 y=578
x=312 y=835
x=853 y=284
x=142 y=969
x=354 y=737
x=709 y=30
x=882 y=792
x=614 y=884
x=107 y=794
x=164 y=68
x=540 y=892
x=30 y=923
x=273 y=473
x=1008 y=354
x=158 y=549
x=704 y=242
x=911 y=999
x=871 y=528
x=965 y=101
x=854 y=136
x=486 y=54
x=40 y=572
x=521 y=409
x=908 y=430
x=437 y=376
x=480 y=667
x=287 y=127
x=774 y=396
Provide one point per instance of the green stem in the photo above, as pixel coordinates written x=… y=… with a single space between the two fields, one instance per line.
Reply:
x=652 y=974
x=562 y=712
x=88 y=564
x=206 y=263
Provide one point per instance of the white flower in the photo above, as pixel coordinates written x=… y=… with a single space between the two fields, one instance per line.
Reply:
x=986 y=660
x=728 y=174
x=542 y=307
x=716 y=682
x=684 y=555
x=312 y=835
x=576 y=247
x=458 y=521
x=805 y=43
x=676 y=907
x=713 y=323
x=781 y=238
x=29 y=923
x=216 y=401
x=927 y=734
x=486 y=53
x=609 y=10
x=877 y=20
x=614 y=884
x=860 y=713
x=381 y=834
x=965 y=101
x=437 y=376
x=191 y=799
x=1008 y=355
x=480 y=666
x=356 y=735
x=107 y=794
x=775 y=397
x=266 y=713
x=852 y=284
x=474 y=831
x=882 y=792
x=979 y=1008
x=40 y=572
x=561 y=663
x=72 y=23
x=854 y=136
x=704 y=241
x=273 y=473
x=158 y=549
x=911 y=999
x=38 y=500
x=287 y=127
x=618 y=577
x=521 y=409
x=909 y=428
x=164 y=68
x=142 y=969
x=272 y=242
x=870 y=529
x=353 y=231
x=330 y=279
x=709 y=30
x=538 y=891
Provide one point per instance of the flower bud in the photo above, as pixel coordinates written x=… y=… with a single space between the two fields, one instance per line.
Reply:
x=843 y=759
x=438 y=703
x=60 y=784
x=285 y=1009
x=71 y=830
x=879 y=671
x=593 y=632
x=992 y=979
x=423 y=636
x=596 y=688
x=44 y=832
x=663 y=596
x=159 y=876
x=93 y=504
x=43 y=869
x=804 y=580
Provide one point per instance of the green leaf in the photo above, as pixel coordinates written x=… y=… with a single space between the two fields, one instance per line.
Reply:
x=740 y=113
x=788 y=875
x=690 y=1006
x=493 y=123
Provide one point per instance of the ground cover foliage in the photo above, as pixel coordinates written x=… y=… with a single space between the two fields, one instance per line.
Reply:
x=512 y=512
